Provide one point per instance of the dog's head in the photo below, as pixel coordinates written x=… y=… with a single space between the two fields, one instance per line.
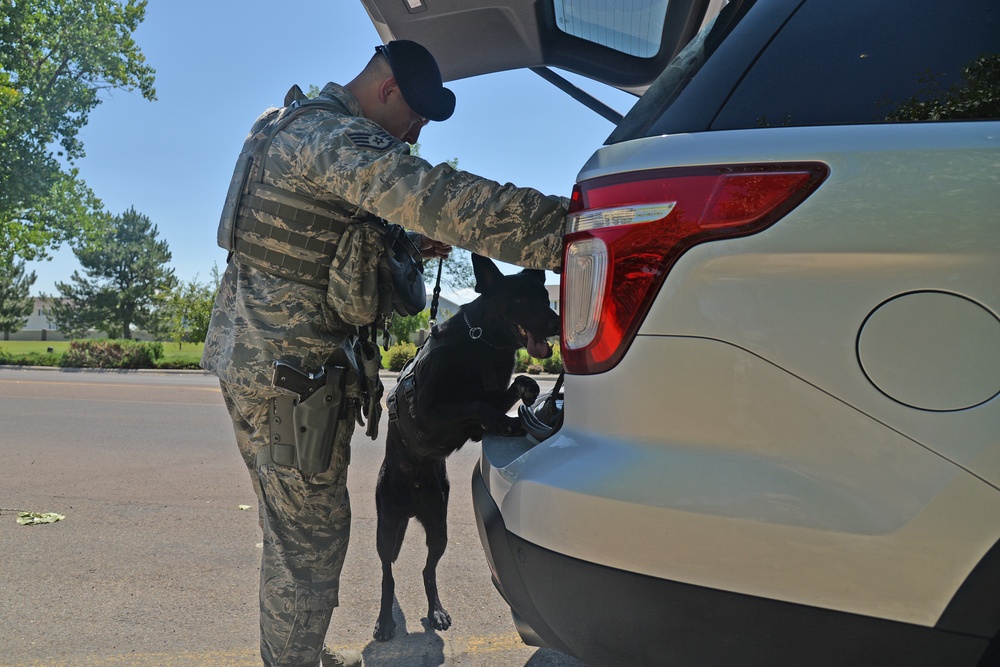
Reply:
x=515 y=307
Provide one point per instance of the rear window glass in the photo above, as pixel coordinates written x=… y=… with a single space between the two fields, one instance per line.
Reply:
x=633 y=27
x=857 y=61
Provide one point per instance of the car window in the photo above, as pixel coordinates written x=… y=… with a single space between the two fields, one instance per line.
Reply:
x=633 y=27
x=678 y=73
x=857 y=61
x=828 y=62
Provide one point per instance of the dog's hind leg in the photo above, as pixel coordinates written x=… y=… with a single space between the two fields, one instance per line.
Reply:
x=389 y=540
x=435 y=521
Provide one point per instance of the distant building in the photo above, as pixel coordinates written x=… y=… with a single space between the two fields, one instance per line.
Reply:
x=38 y=326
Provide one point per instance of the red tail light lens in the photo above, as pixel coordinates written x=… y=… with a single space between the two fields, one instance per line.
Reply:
x=624 y=232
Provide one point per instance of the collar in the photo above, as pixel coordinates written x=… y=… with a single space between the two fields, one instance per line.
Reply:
x=346 y=98
x=476 y=333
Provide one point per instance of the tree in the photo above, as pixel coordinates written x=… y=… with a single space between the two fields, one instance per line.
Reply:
x=56 y=58
x=457 y=270
x=185 y=311
x=403 y=328
x=126 y=274
x=15 y=296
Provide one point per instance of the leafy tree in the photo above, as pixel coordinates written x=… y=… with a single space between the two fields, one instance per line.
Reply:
x=56 y=58
x=457 y=271
x=126 y=272
x=15 y=296
x=404 y=327
x=185 y=311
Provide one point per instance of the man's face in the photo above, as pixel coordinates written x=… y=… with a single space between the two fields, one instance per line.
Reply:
x=400 y=120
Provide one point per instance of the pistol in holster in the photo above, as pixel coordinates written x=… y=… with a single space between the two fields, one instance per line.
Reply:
x=304 y=423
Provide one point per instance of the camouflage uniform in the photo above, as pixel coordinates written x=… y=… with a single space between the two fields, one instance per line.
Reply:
x=353 y=169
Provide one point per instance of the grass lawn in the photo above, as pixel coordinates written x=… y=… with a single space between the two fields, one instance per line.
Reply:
x=172 y=354
x=37 y=346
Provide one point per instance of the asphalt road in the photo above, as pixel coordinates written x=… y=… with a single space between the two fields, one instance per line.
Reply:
x=155 y=563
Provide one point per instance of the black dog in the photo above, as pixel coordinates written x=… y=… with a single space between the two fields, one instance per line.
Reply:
x=455 y=389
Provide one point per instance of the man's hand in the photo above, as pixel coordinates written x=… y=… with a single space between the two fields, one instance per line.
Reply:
x=430 y=249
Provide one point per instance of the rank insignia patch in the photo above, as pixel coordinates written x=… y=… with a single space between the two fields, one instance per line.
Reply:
x=379 y=141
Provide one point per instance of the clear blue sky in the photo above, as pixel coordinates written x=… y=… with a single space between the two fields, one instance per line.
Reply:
x=220 y=63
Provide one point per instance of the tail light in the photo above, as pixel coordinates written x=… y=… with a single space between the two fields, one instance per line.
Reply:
x=624 y=232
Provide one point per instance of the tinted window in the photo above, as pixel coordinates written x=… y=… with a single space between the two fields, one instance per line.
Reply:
x=634 y=27
x=865 y=61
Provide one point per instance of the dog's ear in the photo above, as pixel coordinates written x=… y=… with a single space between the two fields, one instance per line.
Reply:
x=537 y=274
x=487 y=273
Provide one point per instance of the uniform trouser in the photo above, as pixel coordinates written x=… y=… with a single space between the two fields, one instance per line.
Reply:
x=306 y=523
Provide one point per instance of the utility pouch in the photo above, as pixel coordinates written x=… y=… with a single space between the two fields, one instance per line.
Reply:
x=315 y=419
x=353 y=289
x=376 y=270
x=405 y=272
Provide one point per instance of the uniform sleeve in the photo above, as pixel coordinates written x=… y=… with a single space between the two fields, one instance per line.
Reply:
x=520 y=226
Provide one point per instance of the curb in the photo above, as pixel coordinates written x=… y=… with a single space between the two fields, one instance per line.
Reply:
x=384 y=373
x=123 y=371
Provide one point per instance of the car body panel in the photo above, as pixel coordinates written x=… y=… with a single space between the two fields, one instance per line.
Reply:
x=739 y=458
x=609 y=616
x=800 y=293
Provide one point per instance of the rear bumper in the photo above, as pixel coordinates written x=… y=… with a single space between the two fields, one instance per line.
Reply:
x=606 y=616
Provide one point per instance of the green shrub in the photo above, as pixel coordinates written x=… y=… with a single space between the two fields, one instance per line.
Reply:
x=397 y=355
x=105 y=353
x=534 y=369
x=523 y=362
x=553 y=364
x=178 y=364
x=29 y=359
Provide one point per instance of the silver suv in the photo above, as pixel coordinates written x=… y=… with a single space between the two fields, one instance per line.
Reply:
x=780 y=431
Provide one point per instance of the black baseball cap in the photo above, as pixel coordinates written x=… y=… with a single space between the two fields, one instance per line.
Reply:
x=419 y=79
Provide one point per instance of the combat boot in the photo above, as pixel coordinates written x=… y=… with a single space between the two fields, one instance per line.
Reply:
x=345 y=658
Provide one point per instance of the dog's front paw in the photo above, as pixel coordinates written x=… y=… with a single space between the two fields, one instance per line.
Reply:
x=438 y=618
x=510 y=426
x=527 y=389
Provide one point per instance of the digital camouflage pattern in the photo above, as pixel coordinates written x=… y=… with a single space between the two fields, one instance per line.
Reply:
x=306 y=522
x=353 y=170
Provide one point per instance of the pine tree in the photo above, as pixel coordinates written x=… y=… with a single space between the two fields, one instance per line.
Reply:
x=125 y=273
x=15 y=297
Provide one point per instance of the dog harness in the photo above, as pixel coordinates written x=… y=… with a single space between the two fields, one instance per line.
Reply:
x=406 y=381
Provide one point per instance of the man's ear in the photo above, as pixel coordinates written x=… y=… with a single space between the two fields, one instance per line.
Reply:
x=487 y=273
x=537 y=274
x=387 y=88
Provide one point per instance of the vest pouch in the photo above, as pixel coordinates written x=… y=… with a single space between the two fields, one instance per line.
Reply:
x=405 y=272
x=316 y=419
x=353 y=288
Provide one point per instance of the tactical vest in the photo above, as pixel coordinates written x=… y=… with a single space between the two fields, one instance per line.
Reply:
x=370 y=268
x=243 y=234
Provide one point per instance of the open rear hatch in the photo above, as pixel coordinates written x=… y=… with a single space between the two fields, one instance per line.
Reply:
x=620 y=43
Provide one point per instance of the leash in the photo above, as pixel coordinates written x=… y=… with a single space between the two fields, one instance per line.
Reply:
x=437 y=295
